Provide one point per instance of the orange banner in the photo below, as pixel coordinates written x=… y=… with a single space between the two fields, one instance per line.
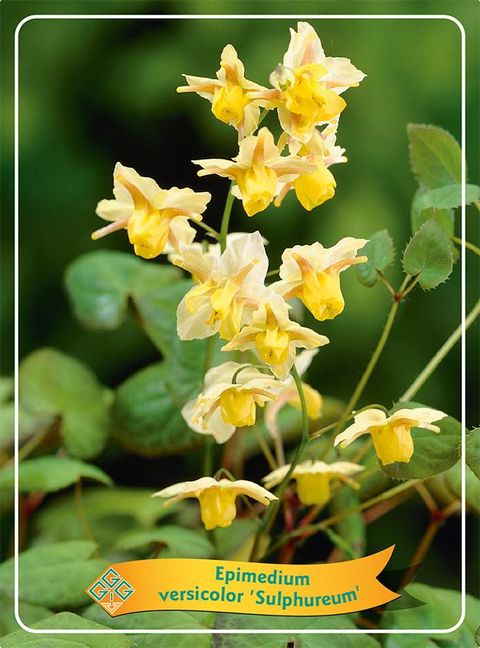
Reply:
x=253 y=588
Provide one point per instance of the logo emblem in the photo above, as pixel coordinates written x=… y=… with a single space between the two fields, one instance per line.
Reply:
x=110 y=590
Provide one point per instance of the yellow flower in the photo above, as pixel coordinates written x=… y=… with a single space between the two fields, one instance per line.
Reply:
x=289 y=395
x=229 y=93
x=314 y=188
x=226 y=290
x=312 y=273
x=308 y=84
x=274 y=336
x=216 y=498
x=257 y=169
x=391 y=436
x=156 y=219
x=314 y=479
x=231 y=394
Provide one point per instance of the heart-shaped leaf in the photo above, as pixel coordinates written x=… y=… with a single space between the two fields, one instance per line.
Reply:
x=54 y=384
x=435 y=156
x=428 y=256
x=380 y=253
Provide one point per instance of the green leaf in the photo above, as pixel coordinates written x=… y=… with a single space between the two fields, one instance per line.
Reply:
x=47 y=474
x=6 y=389
x=110 y=512
x=147 y=417
x=441 y=610
x=435 y=156
x=429 y=255
x=447 y=197
x=261 y=622
x=433 y=452
x=160 y=620
x=54 y=575
x=230 y=541
x=66 y=621
x=409 y=641
x=453 y=482
x=472 y=451
x=445 y=218
x=158 y=311
x=446 y=488
x=100 y=283
x=52 y=383
x=352 y=528
x=380 y=253
x=28 y=613
x=178 y=541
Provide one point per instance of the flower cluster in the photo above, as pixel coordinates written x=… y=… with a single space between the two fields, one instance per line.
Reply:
x=305 y=92
x=231 y=295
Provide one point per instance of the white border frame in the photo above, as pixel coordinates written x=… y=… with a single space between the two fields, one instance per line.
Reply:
x=463 y=305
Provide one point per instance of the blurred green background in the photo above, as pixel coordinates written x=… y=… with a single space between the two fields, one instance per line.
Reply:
x=96 y=91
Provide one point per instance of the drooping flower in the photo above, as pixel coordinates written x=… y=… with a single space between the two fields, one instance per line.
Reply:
x=312 y=273
x=229 y=400
x=156 y=219
x=314 y=188
x=392 y=435
x=258 y=170
x=274 y=336
x=216 y=498
x=308 y=84
x=314 y=479
x=229 y=93
x=289 y=395
x=226 y=288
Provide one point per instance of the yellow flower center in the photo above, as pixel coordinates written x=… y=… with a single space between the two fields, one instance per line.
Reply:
x=230 y=325
x=238 y=407
x=221 y=301
x=217 y=507
x=148 y=232
x=228 y=103
x=257 y=186
x=272 y=344
x=313 y=488
x=148 y=228
x=197 y=295
x=393 y=442
x=319 y=291
x=309 y=100
x=313 y=189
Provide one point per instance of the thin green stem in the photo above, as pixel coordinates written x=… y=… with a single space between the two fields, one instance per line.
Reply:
x=226 y=217
x=411 y=286
x=422 y=378
x=84 y=523
x=208 y=229
x=358 y=391
x=273 y=273
x=267 y=453
x=209 y=447
x=213 y=541
x=386 y=282
x=32 y=444
x=466 y=244
x=208 y=456
x=318 y=433
x=272 y=511
x=209 y=349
